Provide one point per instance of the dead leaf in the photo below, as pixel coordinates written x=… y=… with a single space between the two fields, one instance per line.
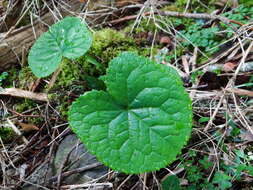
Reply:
x=27 y=127
x=229 y=66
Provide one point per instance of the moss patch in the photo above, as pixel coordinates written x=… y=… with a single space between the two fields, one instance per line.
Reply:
x=26 y=78
x=25 y=105
x=108 y=43
x=6 y=134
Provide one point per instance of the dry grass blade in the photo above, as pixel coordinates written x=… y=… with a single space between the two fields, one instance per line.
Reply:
x=241 y=92
x=89 y=186
x=229 y=85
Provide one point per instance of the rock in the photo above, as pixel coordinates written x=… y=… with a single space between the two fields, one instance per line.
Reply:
x=79 y=157
x=39 y=176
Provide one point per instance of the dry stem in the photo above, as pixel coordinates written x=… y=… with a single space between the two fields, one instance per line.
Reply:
x=24 y=94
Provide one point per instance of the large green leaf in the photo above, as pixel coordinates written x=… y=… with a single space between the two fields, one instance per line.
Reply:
x=141 y=123
x=67 y=38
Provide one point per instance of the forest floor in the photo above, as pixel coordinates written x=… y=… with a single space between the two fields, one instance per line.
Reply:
x=209 y=43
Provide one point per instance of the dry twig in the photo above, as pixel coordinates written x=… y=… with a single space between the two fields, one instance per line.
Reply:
x=241 y=92
x=178 y=14
x=229 y=85
x=88 y=185
x=24 y=94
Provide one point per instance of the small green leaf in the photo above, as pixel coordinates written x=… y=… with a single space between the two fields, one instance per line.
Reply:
x=68 y=38
x=143 y=120
x=204 y=119
x=171 y=183
x=223 y=180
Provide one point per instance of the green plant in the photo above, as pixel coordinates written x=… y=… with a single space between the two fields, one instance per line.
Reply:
x=223 y=180
x=3 y=76
x=242 y=14
x=246 y=2
x=68 y=38
x=171 y=183
x=197 y=5
x=209 y=39
x=197 y=170
x=143 y=120
x=6 y=134
x=204 y=38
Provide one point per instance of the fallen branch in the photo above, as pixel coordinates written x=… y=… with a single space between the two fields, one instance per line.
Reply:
x=200 y=16
x=178 y=14
x=24 y=94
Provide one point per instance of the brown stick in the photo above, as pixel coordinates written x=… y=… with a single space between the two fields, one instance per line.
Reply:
x=241 y=92
x=89 y=186
x=178 y=14
x=24 y=94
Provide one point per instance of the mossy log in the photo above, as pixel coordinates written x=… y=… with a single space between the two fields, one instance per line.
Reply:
x=17 y=41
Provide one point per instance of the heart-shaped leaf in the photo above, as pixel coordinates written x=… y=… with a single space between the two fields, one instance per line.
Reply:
x=68 y=38
x=141 y=123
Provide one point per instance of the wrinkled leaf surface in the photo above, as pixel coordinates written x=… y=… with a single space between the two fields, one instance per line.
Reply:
x=143 y=120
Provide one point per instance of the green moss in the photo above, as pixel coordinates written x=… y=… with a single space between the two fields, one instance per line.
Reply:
x=6 y=134
x=108 y=43
x=37 y=121
x=205 y=6
x=173 y=7
x=64 y=106
x=146 y=25
x=22 y=105
x=25 y=105
x=26 y=77
x=246 y=2
x=70 y=72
